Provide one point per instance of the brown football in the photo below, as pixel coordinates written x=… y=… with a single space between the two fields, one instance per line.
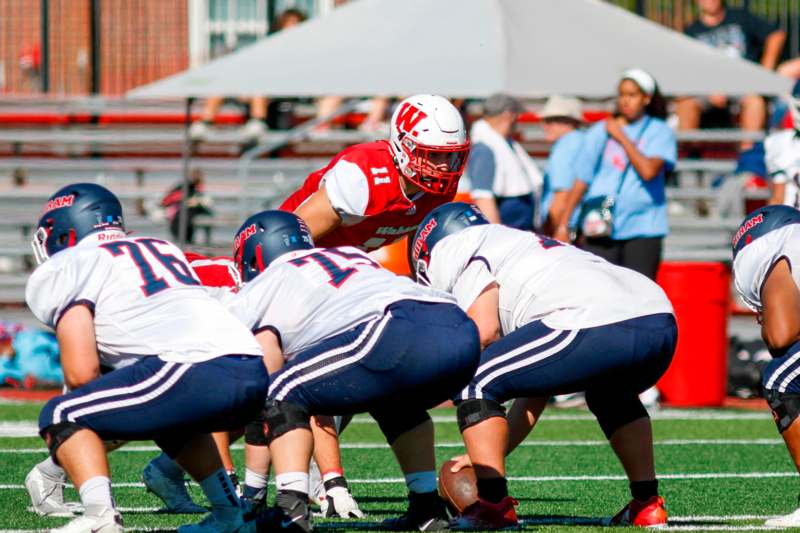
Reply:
x=460 y=489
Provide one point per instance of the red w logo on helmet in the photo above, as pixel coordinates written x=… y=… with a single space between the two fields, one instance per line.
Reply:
x=408 y=117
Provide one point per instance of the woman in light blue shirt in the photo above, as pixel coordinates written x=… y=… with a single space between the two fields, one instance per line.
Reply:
x=627 y=157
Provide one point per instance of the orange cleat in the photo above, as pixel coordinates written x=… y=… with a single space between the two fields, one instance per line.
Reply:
x=486 y=515
x=650 y=513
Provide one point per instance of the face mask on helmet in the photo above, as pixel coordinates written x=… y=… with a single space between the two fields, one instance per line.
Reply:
x=429 y=141
x=435 y=169
x=71 y=214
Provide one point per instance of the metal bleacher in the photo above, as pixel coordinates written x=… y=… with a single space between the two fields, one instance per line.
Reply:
x=140 y=163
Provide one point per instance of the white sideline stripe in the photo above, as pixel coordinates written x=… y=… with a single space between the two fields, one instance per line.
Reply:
x=609 y=477
x=543 y=521
x=524 y=444
x=30 y=428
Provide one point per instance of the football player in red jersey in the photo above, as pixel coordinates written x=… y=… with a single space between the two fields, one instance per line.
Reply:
x=373 y=194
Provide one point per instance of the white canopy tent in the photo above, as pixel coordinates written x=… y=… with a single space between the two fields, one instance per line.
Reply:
x=469 y=48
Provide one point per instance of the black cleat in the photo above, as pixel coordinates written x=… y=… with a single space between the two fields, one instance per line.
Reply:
x=426 y=512
x=290 y=513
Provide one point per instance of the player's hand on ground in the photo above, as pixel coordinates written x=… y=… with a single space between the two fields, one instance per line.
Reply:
x=340 y=503
x=461 y=461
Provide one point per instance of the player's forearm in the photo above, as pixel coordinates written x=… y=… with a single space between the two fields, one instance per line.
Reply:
x=773 y=47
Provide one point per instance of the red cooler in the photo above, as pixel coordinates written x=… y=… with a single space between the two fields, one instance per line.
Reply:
x=700 y=294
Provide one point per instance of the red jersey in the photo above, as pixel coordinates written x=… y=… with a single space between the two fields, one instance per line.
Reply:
x=214 y=271
x=363 y=185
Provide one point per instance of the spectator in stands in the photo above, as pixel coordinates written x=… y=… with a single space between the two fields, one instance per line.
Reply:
x=561 y=121
x=622 y=173
x=504 y=178
x=198 y=203
x=256 y=106
x=782 y=158
x=739 y=34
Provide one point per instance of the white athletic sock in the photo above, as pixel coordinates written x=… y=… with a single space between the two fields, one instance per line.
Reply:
x=254 y=479
x=168 y=467
x=296 y=481
x=221 y=494
x=97 y=491
x=50 y=469
x=420 y=482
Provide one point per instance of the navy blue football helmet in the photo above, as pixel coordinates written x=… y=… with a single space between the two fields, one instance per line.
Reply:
x=266 y=236
x=762 y=221
x=71 y=214
x=443 y=221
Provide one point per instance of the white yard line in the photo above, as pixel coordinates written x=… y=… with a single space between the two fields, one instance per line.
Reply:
x=607 y=477
x=133 y=448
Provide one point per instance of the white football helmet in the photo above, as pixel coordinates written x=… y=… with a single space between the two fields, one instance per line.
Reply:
x=429 y=141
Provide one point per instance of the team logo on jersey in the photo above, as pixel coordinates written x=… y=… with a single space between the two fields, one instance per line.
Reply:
x=747 y=226
x=58 y=203
x=408 y=118
x=246 y=233
x=423 y=235
x=391 y=230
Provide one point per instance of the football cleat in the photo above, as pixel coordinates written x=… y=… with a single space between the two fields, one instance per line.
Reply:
x=214 y=524
x=171 y=491
x=338 y=502
x=426 y=512
x=47 y=494
x=290 y=513
x=650 y=513
x=96 y=519
x=789 y=520
x=487 y=515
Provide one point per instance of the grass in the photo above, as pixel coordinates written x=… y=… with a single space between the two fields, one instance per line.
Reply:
x=565 y=477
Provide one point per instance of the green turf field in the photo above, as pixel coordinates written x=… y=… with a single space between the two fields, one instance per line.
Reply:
x=720 y=470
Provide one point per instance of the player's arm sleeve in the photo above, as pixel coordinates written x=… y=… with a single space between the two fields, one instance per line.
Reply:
x=473 y=280
x=348 y=190
x=776 y=170
x=245 y=305
x=481 y=169
x=57 y=286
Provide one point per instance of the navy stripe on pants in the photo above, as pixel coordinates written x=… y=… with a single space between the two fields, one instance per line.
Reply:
x=536 y=360
x=782 y=374
x=165 y=401
x=415 y=356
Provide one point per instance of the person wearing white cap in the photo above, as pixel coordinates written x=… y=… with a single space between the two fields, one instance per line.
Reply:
x=561 y=121
x=504 y=179
x=621 y=179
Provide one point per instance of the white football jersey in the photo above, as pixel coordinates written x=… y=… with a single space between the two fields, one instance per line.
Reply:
x=783 y=163
x=145 y=298
x=540 y=279
x=309 y=295
x=755 y=261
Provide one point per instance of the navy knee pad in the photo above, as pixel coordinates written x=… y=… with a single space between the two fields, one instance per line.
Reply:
x=283 y=417
x=394 y=424
x=785 y=408
x=471 y=412
x=613 y=412
x=57 y=434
